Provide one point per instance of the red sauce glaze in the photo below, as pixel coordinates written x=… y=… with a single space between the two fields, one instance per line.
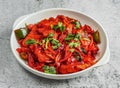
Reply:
x=72 y=55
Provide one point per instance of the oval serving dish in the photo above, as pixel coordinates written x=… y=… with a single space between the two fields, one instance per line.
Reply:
x=104 y=53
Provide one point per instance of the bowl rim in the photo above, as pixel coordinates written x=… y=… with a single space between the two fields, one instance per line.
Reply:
x=56 y=75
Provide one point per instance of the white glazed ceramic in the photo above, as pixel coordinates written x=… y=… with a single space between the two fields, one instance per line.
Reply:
x=84 y=19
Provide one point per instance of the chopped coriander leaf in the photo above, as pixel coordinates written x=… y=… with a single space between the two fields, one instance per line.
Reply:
x=58 y=44
x=45 y=67
x=62 y=28
x=52 y=70
x=73 y=36
x=76 y=39
x=59 y=26
x=46 y=40
x=46 y=71
x=49 y=69
x=51 y=35
x=50 y=39
x=77 y=36
x=30 y=41
x=77 y=24
x=69 y=37
x=55 y=27
x=54 y=47
x=74 y=44
x=54 y=41
x=71 y=44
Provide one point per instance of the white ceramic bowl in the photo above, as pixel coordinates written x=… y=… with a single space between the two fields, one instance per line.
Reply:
x=84 y=19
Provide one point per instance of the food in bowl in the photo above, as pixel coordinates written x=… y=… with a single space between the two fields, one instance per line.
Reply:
x=59 y=45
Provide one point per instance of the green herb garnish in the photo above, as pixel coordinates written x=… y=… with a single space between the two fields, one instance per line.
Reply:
x=47 y=39
x=77 y=24
x=69 y=37
x=55 y=43
x=77 y=36
x=30 y=41
x=51 y=35
x=74 y=44
x=59 y=26
x=54 y=47
x=49 y=69
x=73 y=36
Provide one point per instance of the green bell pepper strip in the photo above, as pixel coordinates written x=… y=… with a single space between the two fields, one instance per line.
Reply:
x=96 y=37
x=21 y=33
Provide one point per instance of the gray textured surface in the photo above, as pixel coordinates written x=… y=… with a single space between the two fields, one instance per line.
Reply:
x=107 y=12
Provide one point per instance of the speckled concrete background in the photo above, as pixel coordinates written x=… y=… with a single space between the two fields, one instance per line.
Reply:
x=107 y=12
